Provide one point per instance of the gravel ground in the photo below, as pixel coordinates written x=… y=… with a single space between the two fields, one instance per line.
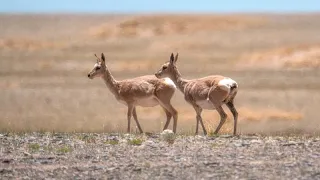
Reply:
x=123 y=156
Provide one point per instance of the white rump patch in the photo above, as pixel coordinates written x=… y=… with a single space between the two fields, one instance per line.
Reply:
x=169 y=82
x=227 y=83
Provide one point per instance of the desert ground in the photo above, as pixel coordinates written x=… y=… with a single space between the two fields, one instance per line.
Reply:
x=45 y=91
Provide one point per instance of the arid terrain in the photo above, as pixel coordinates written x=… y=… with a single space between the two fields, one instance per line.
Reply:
x=44 y=61
x=116 y=156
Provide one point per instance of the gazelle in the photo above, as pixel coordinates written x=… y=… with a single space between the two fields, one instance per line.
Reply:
x=209 y=92
x=145 y=91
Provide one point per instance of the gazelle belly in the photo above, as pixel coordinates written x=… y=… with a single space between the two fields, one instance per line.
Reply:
x=205 y=104
x=147 y=102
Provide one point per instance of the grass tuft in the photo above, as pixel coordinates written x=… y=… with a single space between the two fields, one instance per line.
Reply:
x=64 y=149
x=112 y=142
x=87 y=138
x=135 y=141
x=34 y=147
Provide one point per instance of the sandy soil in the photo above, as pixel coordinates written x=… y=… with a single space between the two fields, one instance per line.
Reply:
x=114 y=156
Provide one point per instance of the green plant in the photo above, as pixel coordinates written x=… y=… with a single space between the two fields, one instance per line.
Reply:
x=211 y=134
x=64 y=149
x=215 y=145
x=34 y=147
x=135 y=141
x=112 y=142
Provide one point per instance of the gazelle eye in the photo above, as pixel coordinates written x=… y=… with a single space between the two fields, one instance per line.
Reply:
x=164 y=67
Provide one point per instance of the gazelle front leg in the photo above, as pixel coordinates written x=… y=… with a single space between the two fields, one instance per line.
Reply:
x=135 y=117
x=129 y=114
x=199 y=119
x=168 y=114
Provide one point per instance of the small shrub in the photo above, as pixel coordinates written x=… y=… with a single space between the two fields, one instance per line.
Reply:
x=87 y=138
x=112 y=142
x=34 y=147
x=135 y=141
x=64 y=150
x=168 y=136
x=212 y=134
x=215 y=145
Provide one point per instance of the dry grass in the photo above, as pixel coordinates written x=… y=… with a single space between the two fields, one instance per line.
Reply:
x=247 y=115
x=268 y=114
x=301 y=56
x=28 y=44
x=44 y=87
x=159 y=25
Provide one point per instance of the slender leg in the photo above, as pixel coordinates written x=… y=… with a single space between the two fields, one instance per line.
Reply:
x=234 y=112
x=173 y=112
x=129 y=114
x=199 y=119
x=223 y=117
x=217 y=96
x=135 y=117
x=203 y=128
x=164 y=101
x=168 y=114
x=175 y=117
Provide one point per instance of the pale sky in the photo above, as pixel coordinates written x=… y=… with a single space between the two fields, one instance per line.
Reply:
x=147 y=6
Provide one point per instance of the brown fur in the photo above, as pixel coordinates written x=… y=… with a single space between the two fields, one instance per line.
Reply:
x=208 y=92
x=145 y=91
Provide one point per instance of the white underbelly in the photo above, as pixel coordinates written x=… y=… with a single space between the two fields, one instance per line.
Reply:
x=147 y=102
x=204 y=104
x=122 y=101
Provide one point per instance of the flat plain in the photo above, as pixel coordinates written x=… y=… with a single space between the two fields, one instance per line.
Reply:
x=44 y=61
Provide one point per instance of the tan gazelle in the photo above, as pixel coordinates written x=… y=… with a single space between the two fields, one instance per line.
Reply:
x=209 y=92
x=145 y=91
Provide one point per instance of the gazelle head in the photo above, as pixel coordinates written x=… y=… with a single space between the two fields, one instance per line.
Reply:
x=168 y=69
x=99 y=67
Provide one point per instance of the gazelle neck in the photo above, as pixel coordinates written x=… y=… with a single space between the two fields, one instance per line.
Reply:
x=178 y=80
x=111 y=83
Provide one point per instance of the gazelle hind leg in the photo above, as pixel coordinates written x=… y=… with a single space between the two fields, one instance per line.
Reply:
x=167 y=105
x=164 y=101
x=223 y=117
x=234 y=112
x=135 y=117
x=168 y=114
x=217 y=96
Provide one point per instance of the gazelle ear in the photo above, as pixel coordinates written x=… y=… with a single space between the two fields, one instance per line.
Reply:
x=171 y=58
x=102 y=57
x=98 y=59
x=176 y=58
